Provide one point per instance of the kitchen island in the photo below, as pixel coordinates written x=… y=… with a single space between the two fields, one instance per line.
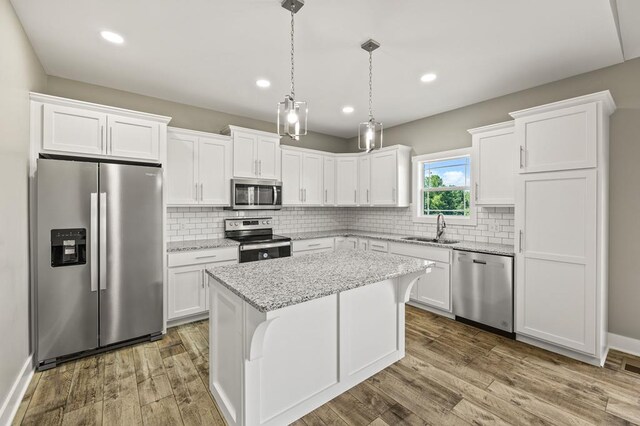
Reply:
x=289 y=334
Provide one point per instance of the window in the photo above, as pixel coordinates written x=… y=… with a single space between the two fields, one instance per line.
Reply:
x=443 y=183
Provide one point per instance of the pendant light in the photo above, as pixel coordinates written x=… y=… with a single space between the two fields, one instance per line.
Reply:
x=370 y=131
x=292 y=114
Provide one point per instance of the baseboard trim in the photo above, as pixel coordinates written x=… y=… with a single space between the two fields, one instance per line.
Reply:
x=187 y=320
x=624 y=344
x=430 y=309
x=12 y=402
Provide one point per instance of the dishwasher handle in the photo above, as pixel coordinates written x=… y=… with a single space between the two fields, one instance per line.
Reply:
x=482 y=262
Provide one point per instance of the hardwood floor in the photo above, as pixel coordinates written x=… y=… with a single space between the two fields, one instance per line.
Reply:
x=453 y=374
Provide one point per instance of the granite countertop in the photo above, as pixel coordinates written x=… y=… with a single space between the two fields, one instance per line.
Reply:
x=177 y=246
x=287 y=281
x=500 y=249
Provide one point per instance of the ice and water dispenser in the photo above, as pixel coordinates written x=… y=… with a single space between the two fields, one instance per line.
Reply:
x=68 y=247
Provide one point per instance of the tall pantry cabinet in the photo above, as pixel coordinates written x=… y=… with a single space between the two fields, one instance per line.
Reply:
x=561 y=225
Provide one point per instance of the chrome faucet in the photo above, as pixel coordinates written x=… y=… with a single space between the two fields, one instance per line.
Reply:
x=440 y=225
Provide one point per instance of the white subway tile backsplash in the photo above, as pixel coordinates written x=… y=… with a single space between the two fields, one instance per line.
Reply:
x=188 y=223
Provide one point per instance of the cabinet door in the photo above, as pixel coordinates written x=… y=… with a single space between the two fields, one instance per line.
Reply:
x=564 y=139
x=133 y=138
x=343 y=243
x=347 y=181
x=494 y=168
x=312 y=179
x=73 y=130
x=329 y=178
x=182 y=169
x=187 y=294
x=268 y=156
x=364 y=180
x=434 y=288
x=384 y=178
x=556 y=258
x=291 y=178
x=244 y=155
x=214 y=171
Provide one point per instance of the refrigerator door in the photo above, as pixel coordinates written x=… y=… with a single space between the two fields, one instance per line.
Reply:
x=67 y=259
x=131 y=252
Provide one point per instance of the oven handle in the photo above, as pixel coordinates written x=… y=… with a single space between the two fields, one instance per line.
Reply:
x=264 y=246
x=275 y=195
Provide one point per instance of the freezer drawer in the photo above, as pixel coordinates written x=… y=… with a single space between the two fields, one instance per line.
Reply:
x=483 y=289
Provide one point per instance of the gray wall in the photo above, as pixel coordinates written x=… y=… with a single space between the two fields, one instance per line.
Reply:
x=20 y=72
x=185 y=116
x=448 y=131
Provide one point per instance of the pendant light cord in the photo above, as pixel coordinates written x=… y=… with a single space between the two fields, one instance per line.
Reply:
x=370 y=85
x=293 y=11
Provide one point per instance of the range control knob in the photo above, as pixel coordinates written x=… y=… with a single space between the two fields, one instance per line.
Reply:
x=264 y=222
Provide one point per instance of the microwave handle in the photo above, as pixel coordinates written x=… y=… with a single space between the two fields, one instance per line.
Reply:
x=275 y=195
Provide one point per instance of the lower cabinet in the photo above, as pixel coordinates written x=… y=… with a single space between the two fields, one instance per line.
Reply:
x=187 y=289
x=316 y=245
x=346 y=243
x=432 y=289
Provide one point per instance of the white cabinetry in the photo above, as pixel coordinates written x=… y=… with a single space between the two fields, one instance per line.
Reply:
x=494 y=170
x=433 y=289
x=391 y=177
x=198 y=168
x=256 y=154
x=187 y=292
x=316 y=245
x=346 y=243
x=329 y=180
x=302 y=178
x=364 y=180
x=69 y=127
x=561 y=226
x=347 y=181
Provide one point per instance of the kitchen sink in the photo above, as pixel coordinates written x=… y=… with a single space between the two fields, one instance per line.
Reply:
x=431 y=240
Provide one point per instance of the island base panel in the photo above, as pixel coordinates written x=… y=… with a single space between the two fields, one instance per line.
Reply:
x=271 y=368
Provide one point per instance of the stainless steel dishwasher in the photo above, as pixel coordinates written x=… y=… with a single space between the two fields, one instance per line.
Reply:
x=483 y=289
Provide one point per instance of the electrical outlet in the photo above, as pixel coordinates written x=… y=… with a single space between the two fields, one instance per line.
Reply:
x=494 y=227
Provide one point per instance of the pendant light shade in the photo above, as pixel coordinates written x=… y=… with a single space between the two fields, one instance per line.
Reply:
x=292 y=114
x=370 y=132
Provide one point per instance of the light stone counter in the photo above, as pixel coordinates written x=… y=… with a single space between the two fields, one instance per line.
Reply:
x=278 y=283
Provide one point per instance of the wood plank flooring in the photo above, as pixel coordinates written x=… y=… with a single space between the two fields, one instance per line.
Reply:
x=453 y=374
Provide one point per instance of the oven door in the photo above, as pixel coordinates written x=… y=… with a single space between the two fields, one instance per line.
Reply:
x=256 y=194
x=255 y=252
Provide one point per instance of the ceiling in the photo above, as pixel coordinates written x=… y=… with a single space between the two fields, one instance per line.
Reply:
x=209 y=53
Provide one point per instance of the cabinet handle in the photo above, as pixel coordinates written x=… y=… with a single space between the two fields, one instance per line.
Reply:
x=325 y=195
x=110 y=140
x=520 y=236
x=197 y=197
x=255 y=167
x=367 y=195
x=522 y=155
x=314 y=245
x=202 y=192
x=300 y=195
x=101 y=138
x=305 y=195
x=476 y=195
x=355 y=195
x=259 y=167
x=203 y=278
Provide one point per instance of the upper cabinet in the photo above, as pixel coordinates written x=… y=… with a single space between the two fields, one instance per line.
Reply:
x=391 y=177
x=67 y=127
x=256 y=154
x=198 y=168
x=347 y=180
x=329 y=180
x=364 y=180
x=494 y=148
x=563 y=135
x=302 y=177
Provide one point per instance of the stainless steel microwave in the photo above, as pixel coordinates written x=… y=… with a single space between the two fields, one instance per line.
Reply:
x=256 y=194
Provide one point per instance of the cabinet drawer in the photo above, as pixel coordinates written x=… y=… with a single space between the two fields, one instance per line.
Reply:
x=421 y=252
x=203 y=256
x=377 y=245
x=315 y=244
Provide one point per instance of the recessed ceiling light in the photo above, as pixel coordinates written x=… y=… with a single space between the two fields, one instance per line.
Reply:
x=427 y=78
x=112 y=37
x=263 y=83
x=347 y=109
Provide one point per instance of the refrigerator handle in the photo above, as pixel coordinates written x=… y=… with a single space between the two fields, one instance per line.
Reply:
x=93 y=236
x=103 y=241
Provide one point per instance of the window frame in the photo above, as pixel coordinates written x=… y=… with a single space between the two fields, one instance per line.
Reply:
x=418 y=186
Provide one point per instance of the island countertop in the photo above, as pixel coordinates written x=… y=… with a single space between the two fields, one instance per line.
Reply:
x=278 y=283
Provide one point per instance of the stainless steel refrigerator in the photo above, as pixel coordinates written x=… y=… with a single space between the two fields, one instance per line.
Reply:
x=99 y=257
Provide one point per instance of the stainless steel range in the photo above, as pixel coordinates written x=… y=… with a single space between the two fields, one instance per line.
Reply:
x=256 y=238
